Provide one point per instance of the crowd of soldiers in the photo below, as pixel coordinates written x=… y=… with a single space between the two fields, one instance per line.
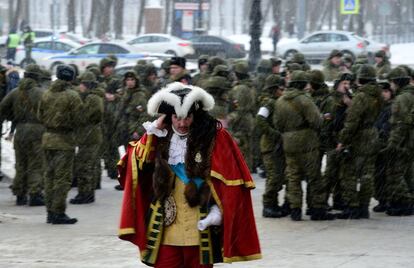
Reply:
x=284 y=117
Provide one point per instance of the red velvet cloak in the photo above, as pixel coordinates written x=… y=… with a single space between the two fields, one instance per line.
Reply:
x=230 y=184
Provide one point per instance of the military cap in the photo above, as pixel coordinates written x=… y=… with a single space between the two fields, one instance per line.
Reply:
x=33 y=69
x=113 y=85
x=299 y=76
x=294 y=67
x=298 y=58
x=345 y=76
x=217 y=82
x=398 y=73
x=88 y=77
x=95 y=71
x=214 y=61
x=203 y=59
x=380 y=54
x=92 y=65
x=179 y=61
x=316 y=77
x=105 y=62
x=361 y=59
x=335 y=53
x=264 y=65
x=348 y=59
x=220 y=69
x=46 y=75
x=367 y=71
x=241 y=67
x=114 y=58
x=140 y=69
x=166 y=65
x=407 y=69
x=150 y=69
x=65 y=72
x=272 y=81
x=131 y=74
x=141 y=62
x=275 y=61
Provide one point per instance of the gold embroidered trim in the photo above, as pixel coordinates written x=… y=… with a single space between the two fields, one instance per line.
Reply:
x=248 y=184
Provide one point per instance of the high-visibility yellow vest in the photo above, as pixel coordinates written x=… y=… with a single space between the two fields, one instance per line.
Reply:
x=28 y=37
x=14 y=40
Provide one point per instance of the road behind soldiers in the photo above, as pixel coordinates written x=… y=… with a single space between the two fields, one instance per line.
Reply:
x=27 y=241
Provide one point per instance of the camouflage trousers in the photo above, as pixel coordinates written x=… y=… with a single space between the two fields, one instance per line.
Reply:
x=381 y=165
x=246 y=150
x=29 y=167
x=274 y=163
x=357 y=179
x=398 y=177
x=111 y=158
x=86 y=164
x=332 y=177
x=300 y=166
x=58 y=178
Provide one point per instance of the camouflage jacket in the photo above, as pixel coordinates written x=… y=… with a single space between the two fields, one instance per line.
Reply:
x=298 y=119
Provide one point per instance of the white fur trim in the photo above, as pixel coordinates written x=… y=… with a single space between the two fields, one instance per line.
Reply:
x=196 y=94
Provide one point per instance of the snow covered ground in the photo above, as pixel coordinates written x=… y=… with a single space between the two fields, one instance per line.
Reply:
x=26 y=241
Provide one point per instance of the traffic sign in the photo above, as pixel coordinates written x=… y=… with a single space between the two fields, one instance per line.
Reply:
x=349 y=7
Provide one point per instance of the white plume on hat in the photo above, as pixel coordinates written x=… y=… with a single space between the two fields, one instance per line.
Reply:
x=181 y=106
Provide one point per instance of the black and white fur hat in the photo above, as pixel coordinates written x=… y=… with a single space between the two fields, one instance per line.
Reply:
x=179 y=99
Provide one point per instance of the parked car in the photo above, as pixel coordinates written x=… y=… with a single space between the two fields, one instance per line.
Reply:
x=162 y=43
x=93 y=53
x=318 y=45
x=44 y=48
x=216 y=45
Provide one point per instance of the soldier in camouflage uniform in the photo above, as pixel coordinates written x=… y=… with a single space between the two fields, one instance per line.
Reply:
x=243 y=107
x=203 y=75
x=384 y=127
x=300 y=59
x=382 y=64
x=271 y=147
x=334 y=117
x=133 y=109
x=263 y=70
x=276 y=64
x=89 y=138
x=360 y=60
x=360 y=137
x=149 y=81
x=332 y=66
x=218 y=86
x=400 y=146
x=178 y=73
x=20 y=106
x=60 y=113
x=164 y=74
x=298 y=119
x=45 y=79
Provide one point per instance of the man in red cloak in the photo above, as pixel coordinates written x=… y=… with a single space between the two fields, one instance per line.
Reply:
x=187 y=187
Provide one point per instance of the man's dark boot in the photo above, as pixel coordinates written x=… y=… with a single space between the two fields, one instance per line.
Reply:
x=21 y=200
x=296 y=214
x=272 y=212
x=309 y=211
x=363 y=212
x=62 y=218
x=285 y=209
x=36 y=200
x=50 y=217
x=119 y=187
x=83 y=199
x=349 y=213
x=321 y=214
x=74 y=183
x=381 y=207
x=1 y=176
x=395 y=209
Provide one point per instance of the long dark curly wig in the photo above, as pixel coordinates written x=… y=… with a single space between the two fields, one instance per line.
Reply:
x=200 y=142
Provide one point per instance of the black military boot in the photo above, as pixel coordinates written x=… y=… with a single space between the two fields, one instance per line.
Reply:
x=394 y=209
x=21 y=200
x=363 y=212
x=62 y=218
x=309 y=211
x=272 y=212
x=381 y=207
x=285 y=209
x=296 y=214
x=119 y=187
x=36 y=200
x=74 y=183
x=50 y=216
x=83 y=199
x=349 y=213
x=321 y=214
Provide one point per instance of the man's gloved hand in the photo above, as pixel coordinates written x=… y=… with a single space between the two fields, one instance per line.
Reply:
x=214 y=217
